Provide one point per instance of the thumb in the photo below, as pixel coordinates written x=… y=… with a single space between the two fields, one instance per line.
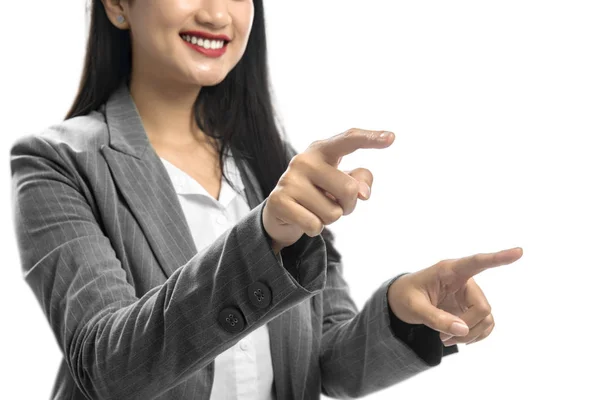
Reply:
x=441 y=320
x=365 y=179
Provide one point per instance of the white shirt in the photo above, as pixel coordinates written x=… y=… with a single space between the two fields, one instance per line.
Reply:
x=244 y=371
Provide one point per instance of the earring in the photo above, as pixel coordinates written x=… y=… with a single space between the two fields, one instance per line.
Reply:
x=120 y=19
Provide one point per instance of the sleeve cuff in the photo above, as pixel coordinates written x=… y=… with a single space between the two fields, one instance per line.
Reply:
x=423 y=340
x=299 y=259
x=291 y=257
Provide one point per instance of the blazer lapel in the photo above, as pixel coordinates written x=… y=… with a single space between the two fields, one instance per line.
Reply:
x=144 y=183
x=146 y=186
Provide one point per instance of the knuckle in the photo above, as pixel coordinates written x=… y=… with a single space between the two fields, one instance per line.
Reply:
x=328 y=219
x=444 y=263
x=299 y=161
x=444 y=270
x=279 y=203
x=333 y=215
x=349 y=208
x=286 y=180
x=351 y=188
x=484 y=308
x=314 y=227
x=275 y=198
x=315 y=143
x=351 y=132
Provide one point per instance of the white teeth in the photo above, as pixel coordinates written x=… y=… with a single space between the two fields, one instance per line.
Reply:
x=206 y=43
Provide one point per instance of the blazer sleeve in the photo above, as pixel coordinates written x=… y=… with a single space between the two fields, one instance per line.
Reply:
x=368 y=350
x=364 y=351
x=119 y=345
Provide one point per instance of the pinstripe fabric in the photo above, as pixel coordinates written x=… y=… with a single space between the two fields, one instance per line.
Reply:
x=106 y=249
x=243 y=371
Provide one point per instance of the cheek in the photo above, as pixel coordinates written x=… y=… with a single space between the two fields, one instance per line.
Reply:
x=155 y=34
x=243 y=16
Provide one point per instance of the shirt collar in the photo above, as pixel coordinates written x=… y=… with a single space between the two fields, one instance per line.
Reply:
x=185 y=184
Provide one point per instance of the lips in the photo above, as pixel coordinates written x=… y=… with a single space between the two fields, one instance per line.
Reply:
x=206 y=35
x=209 y=44
x=206 y=46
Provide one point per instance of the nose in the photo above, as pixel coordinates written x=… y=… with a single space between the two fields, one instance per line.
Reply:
x=214 y=13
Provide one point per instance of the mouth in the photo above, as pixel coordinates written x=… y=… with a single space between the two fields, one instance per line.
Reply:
x=204 y=42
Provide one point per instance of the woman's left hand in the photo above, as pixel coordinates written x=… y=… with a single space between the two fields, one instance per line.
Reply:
x=446 y=298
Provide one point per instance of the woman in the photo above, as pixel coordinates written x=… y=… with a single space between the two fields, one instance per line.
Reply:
x=177 y=245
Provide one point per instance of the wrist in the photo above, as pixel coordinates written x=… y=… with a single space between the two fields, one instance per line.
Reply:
x=393 y=293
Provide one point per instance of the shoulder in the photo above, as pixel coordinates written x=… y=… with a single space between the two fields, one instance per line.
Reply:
x=71 y=147
x=69 y=139
x=78 y=135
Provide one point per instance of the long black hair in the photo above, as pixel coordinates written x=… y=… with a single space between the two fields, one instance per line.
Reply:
x=237 y=113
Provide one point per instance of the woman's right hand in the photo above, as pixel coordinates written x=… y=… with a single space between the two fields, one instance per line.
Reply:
x=313 y=193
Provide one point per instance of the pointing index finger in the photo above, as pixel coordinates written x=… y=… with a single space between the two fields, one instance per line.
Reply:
x=348 y=142
x=469 y=266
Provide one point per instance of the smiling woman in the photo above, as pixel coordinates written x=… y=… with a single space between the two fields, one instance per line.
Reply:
x=156 y=29
x=234 y=108
x=178 y=244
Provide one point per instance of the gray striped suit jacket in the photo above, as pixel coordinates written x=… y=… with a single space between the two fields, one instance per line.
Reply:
x=137 y=311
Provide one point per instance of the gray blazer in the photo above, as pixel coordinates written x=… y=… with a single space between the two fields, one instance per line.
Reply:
x=138 y=313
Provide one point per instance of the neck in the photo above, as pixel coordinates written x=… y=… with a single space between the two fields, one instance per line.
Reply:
x=166 y=110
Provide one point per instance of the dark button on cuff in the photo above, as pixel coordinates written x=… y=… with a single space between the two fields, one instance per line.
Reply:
x=231 y=320
x=259 y=294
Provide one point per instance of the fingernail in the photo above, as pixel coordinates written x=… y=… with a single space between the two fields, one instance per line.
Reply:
x=458 y=329
x=364 y=190
x=384 y=135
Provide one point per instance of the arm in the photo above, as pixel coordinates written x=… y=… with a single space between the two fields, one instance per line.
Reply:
x=115 y=344
x=368 y=350
x=360 y=354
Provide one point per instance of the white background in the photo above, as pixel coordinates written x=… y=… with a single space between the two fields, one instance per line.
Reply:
x=495 y=106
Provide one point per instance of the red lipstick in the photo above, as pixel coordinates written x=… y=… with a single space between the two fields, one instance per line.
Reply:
x=205 y=35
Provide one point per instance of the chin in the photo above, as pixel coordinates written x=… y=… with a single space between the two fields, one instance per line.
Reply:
x=212 y=82
x=209 y=78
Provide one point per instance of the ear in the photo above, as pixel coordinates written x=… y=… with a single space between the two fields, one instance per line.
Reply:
x=115 y=9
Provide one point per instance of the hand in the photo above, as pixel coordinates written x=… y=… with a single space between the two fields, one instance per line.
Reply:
x=446 y=298
x=313 y=193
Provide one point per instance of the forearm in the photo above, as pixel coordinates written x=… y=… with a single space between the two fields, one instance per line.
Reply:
x=119 y=346
x=361 y=355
